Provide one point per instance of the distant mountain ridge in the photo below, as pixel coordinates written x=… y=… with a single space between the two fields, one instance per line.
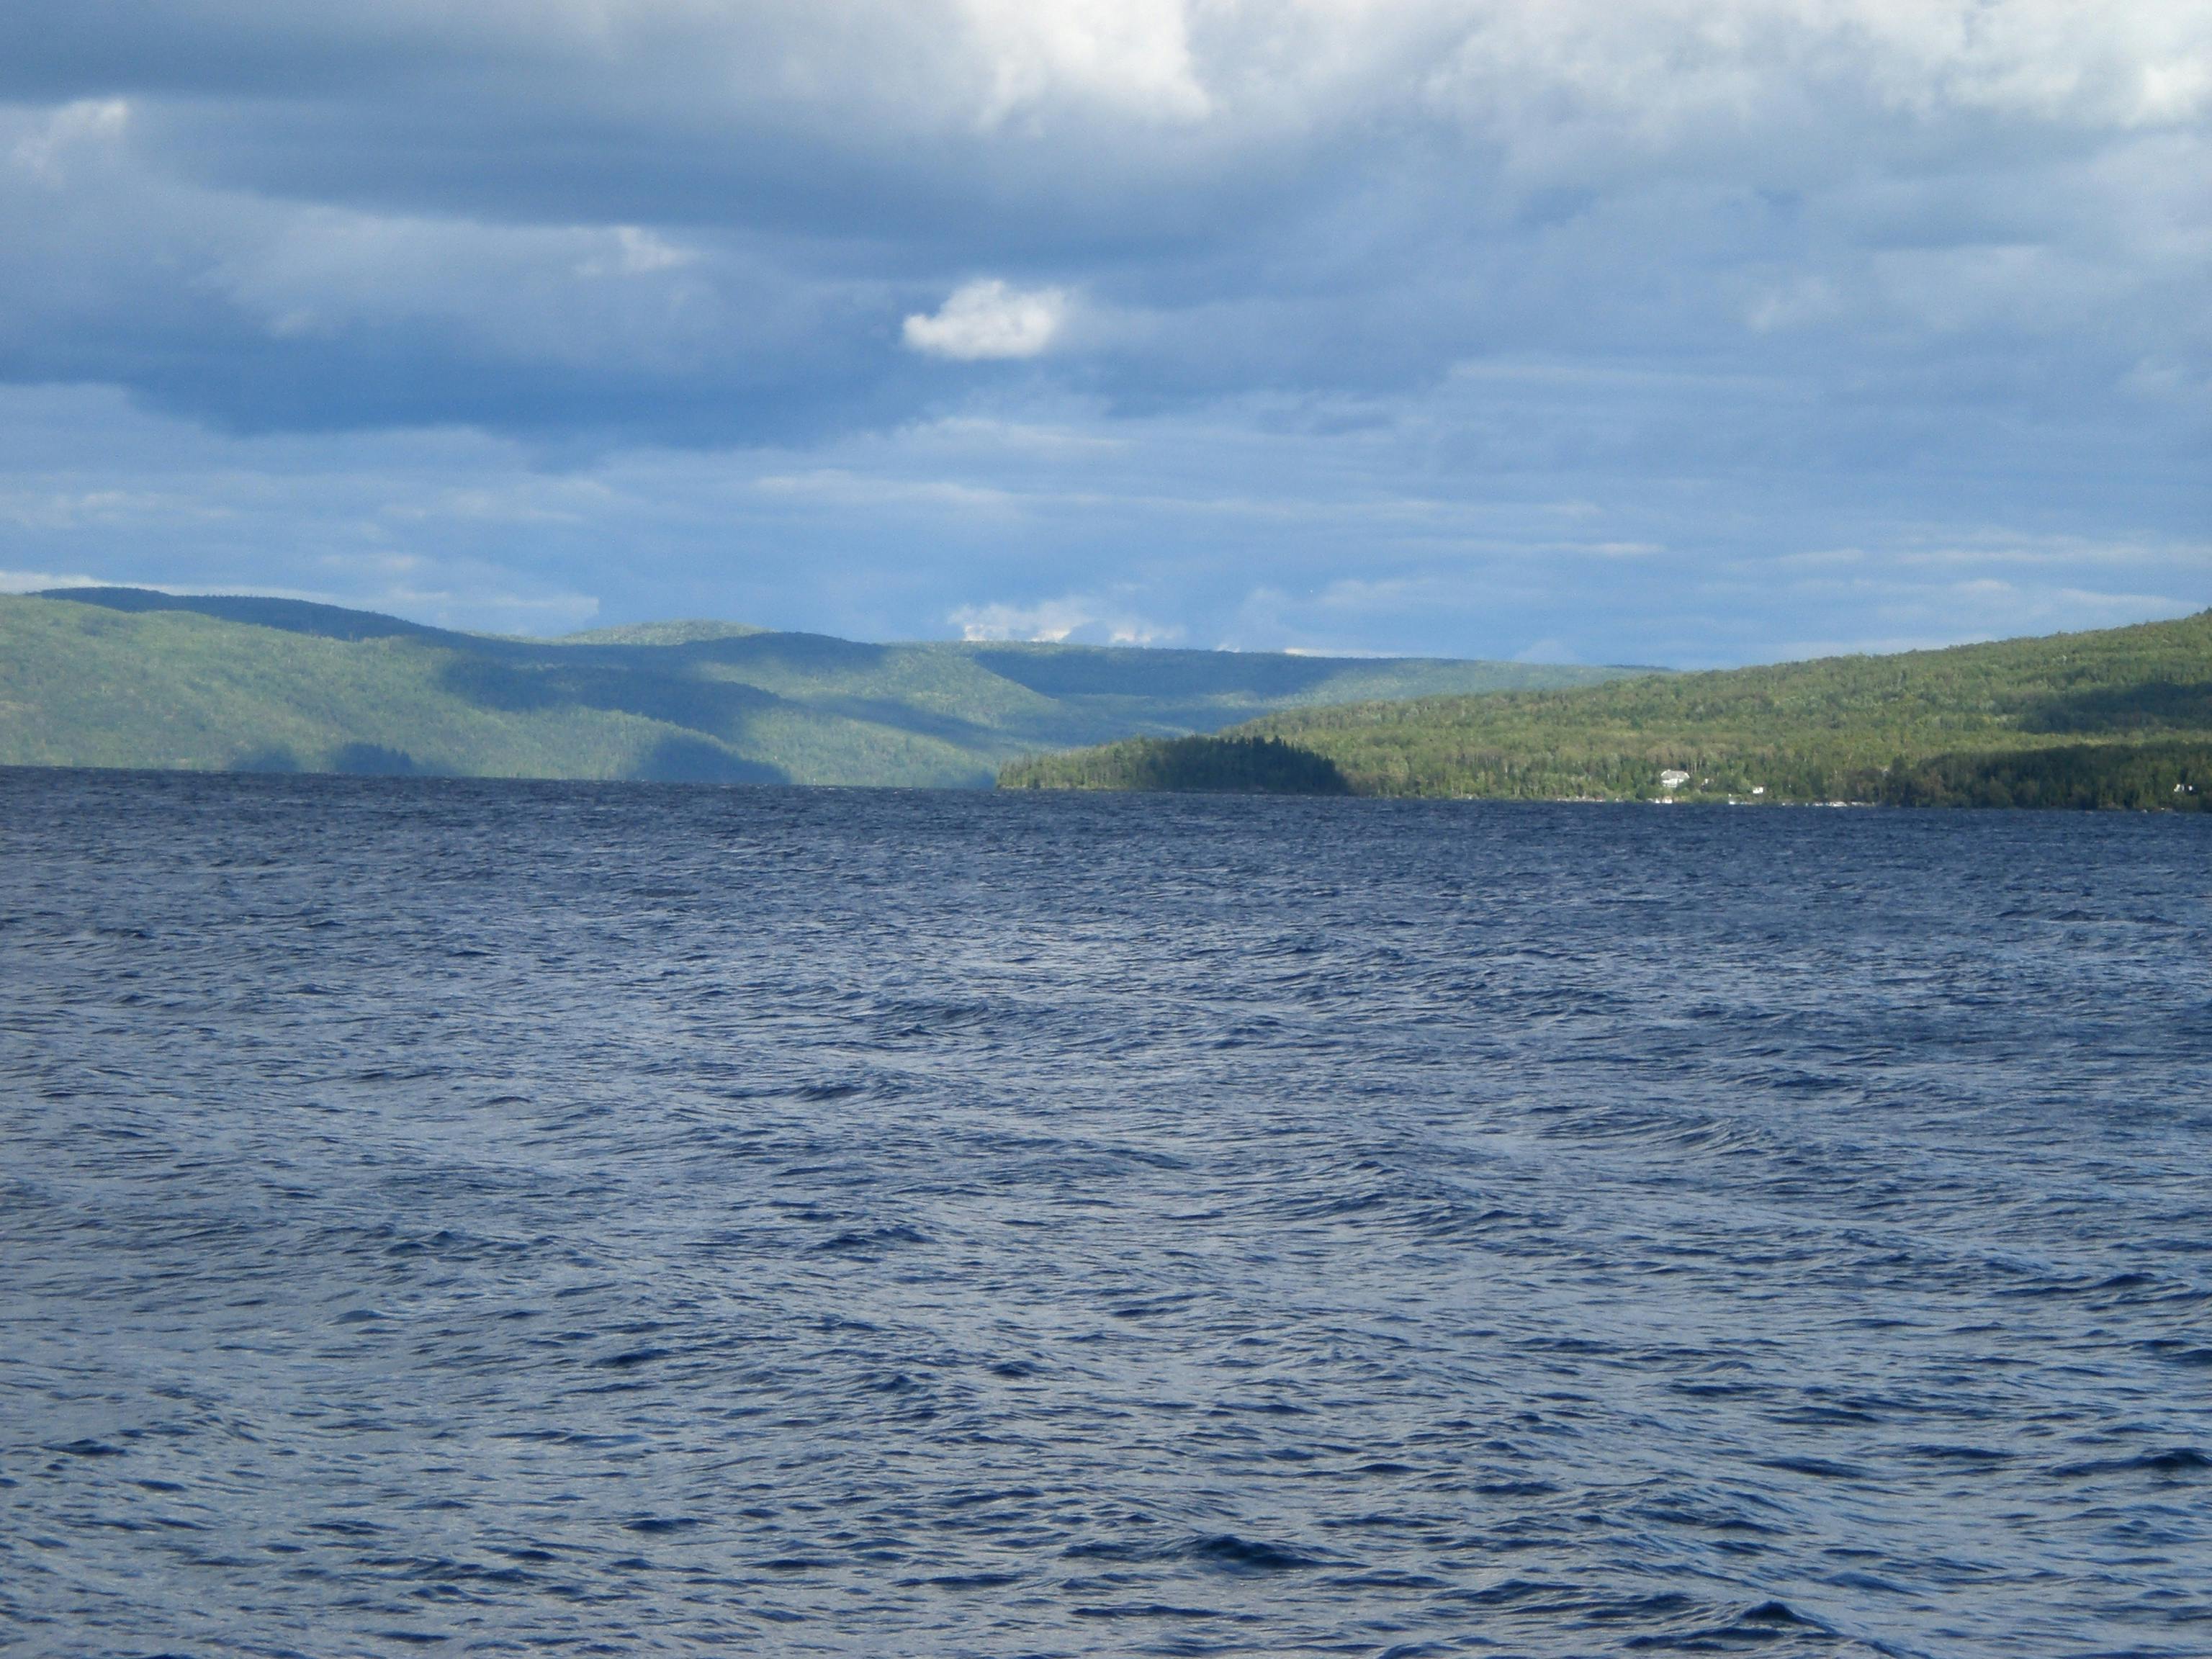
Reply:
x=2116 y=717
x=131 y=677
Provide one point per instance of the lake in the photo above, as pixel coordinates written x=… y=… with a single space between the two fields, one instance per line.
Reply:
x=445 y=1216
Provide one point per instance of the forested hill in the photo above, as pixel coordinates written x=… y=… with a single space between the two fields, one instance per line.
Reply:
x=2121 y=717
x=123 y=677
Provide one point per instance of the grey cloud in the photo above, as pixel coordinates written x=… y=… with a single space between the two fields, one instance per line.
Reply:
x=1266 y=196
x=1728 y=268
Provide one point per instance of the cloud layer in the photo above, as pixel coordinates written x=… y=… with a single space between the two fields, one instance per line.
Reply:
x=1752 y=281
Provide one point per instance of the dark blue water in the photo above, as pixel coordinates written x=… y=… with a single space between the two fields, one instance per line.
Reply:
x=461 y=1218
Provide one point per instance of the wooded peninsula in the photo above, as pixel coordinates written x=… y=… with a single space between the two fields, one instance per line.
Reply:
x=2117 y=718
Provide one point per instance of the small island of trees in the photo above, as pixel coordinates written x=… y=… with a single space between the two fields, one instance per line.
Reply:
x=1243 y=766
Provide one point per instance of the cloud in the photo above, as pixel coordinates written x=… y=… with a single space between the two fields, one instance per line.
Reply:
x=1545 y=650
x=636 y=252
x=653 y=219
x=1386 y=283
x=43 y=148
x=33 y=581
x=987 y=319
x=1132 y=55
x=1078 y=618
x=937 y=529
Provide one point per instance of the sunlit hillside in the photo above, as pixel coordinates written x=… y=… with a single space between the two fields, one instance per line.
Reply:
x=122 y=677
x=2121 y=716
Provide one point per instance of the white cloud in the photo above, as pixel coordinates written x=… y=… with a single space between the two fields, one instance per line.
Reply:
x=33 y=581
x=1550 y=649
x=101 y=509
x=987 y=319
x=1135 y=54
x=848 y=488
x=88 y=124
x=636 y=252
x=533 y=293
x=1075 y=617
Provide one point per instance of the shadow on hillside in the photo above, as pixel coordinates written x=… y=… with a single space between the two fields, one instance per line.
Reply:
x=328 y=622
x=719 y=708
x=271 y=759
x=2153 y=706
x=905 y=717
x=662 y=683
x=695 y=760
x=359 y=759
x=1155 y=674
x=374 y=760
x=798 y=653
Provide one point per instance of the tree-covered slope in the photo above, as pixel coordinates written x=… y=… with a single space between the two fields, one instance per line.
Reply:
x=2073 y=718
x=1235 y=766
x=121 y=676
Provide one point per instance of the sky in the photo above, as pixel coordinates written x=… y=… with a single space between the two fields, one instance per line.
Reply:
x=1683 y=331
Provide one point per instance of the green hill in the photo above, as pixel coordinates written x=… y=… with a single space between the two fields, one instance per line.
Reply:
x=1210 y=765
x=121 y=676
x=2122 y=717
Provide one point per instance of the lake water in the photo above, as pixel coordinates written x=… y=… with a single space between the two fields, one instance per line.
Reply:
x=460 y=1217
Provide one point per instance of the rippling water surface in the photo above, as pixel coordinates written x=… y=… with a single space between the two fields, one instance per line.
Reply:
x=461 y=1218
